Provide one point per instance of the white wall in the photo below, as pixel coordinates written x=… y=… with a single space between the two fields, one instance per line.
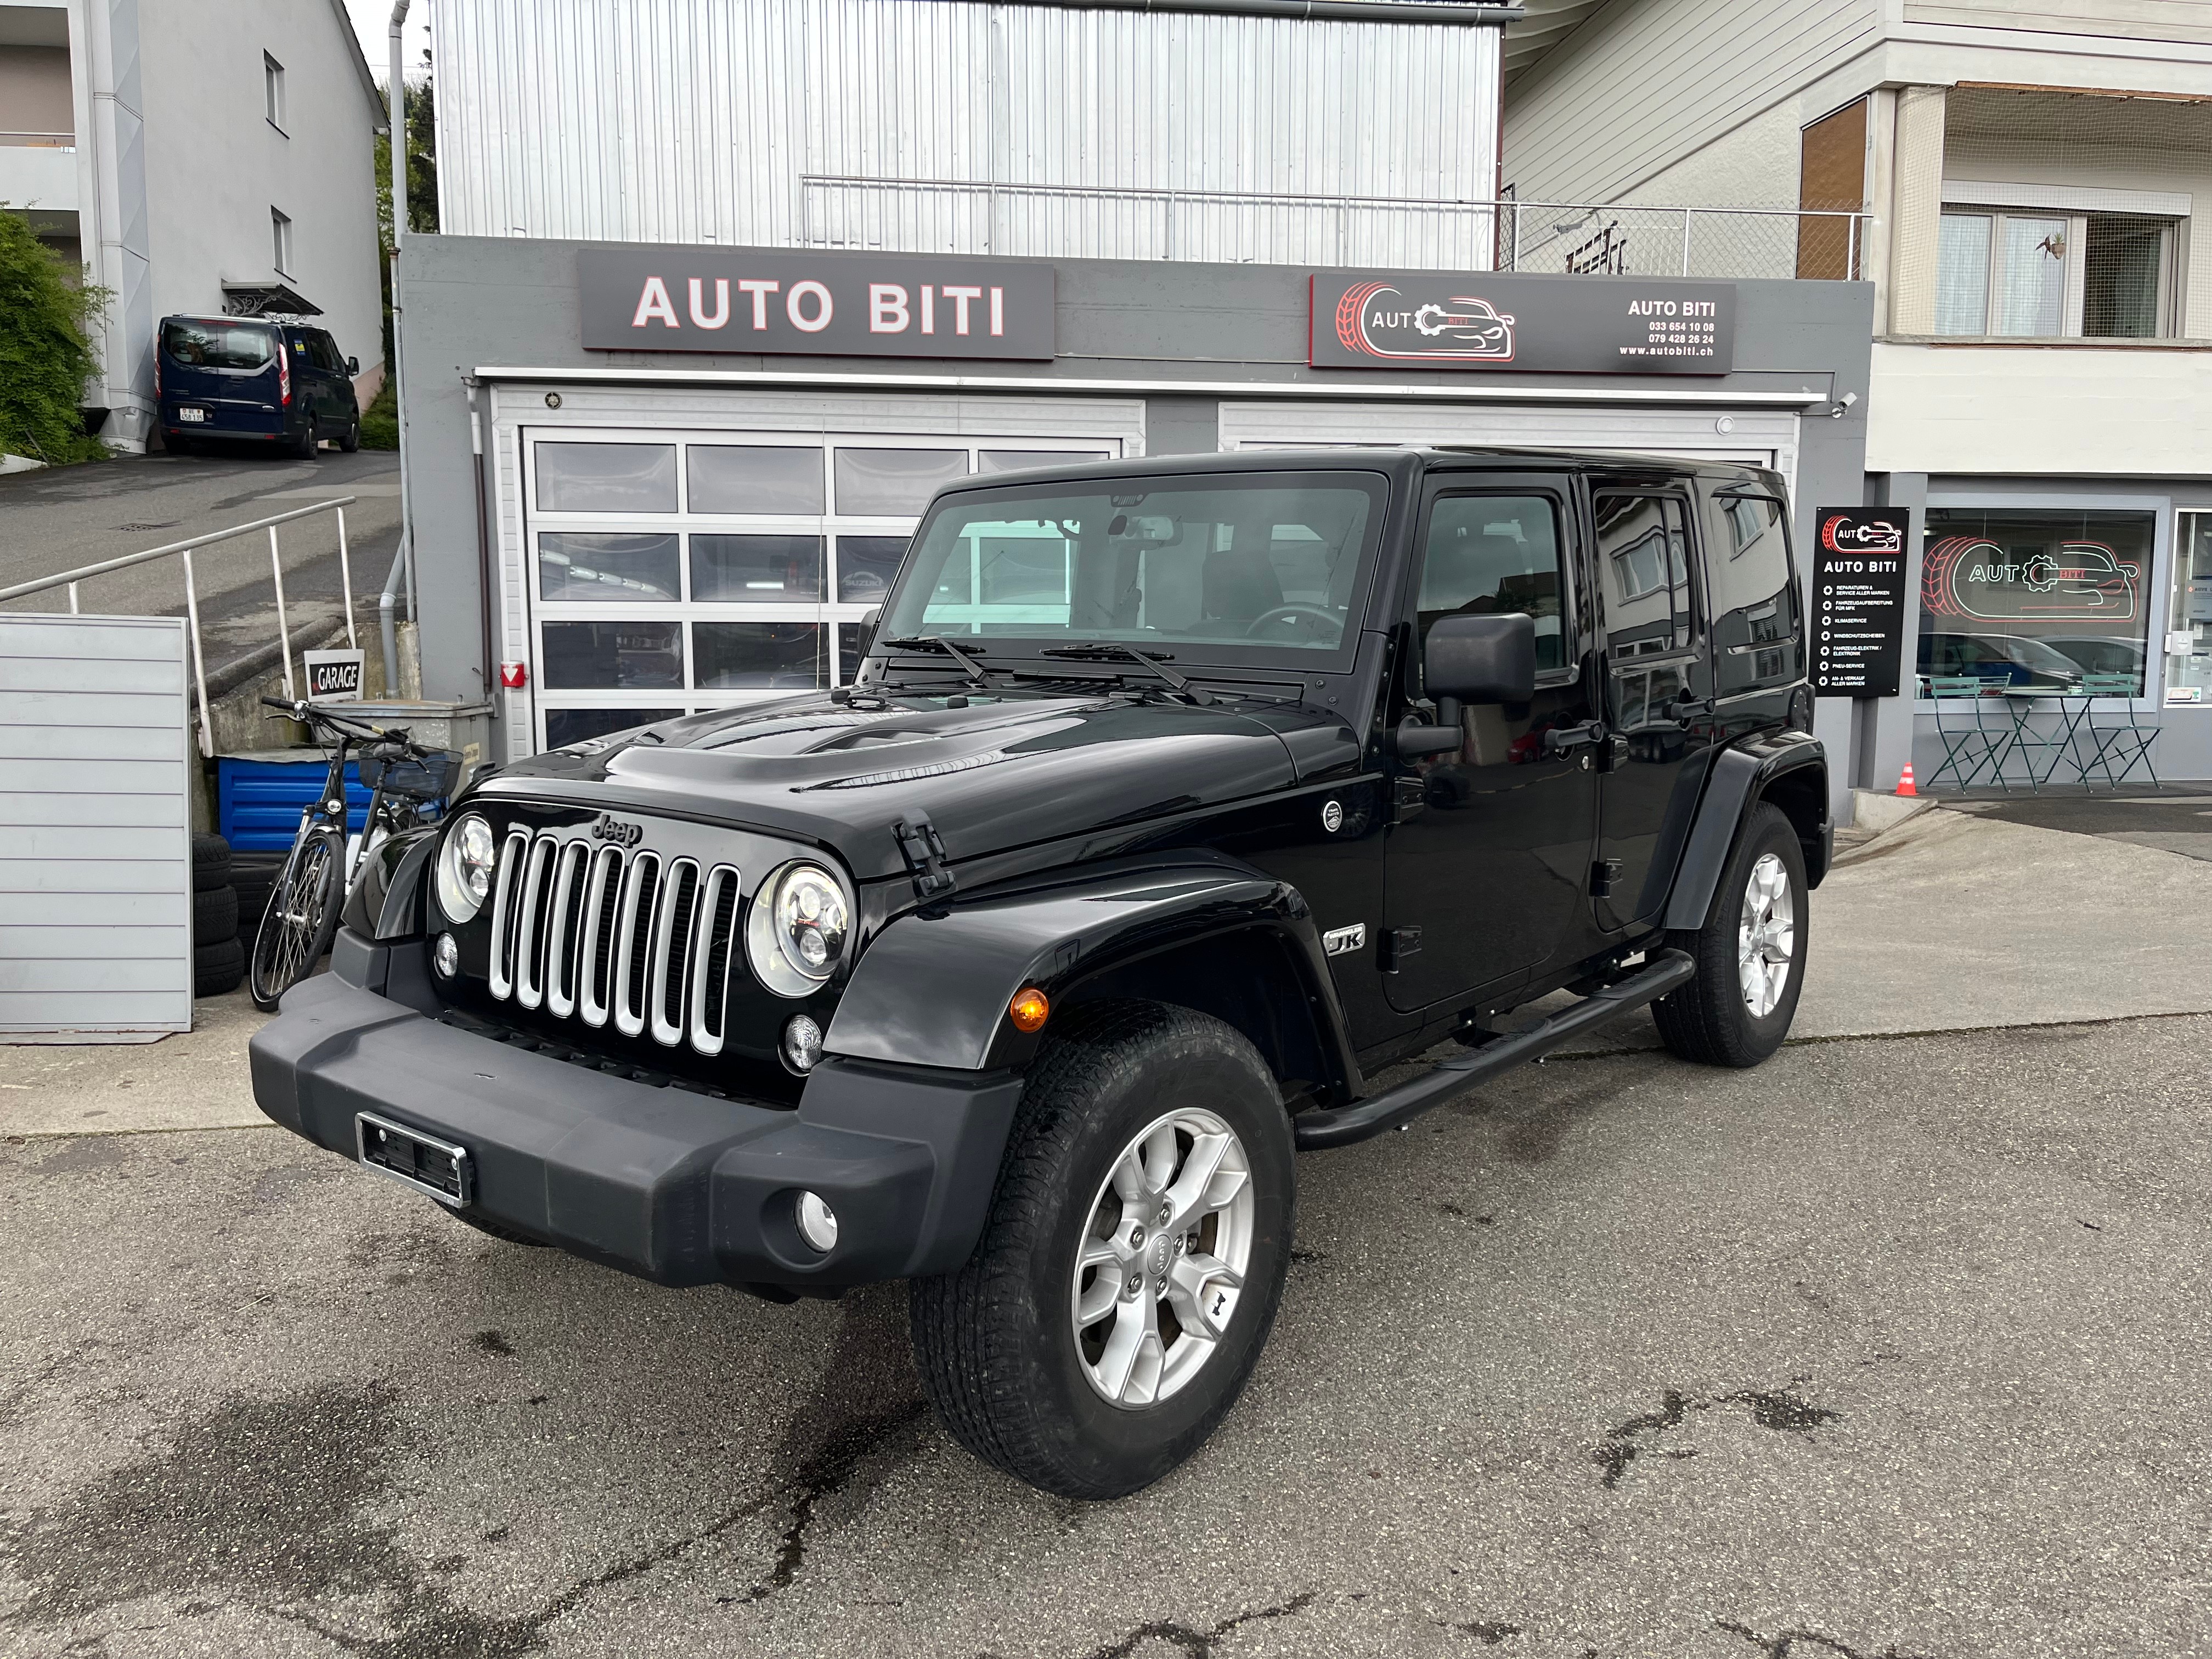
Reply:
x=2061 y=411
x=214 y=166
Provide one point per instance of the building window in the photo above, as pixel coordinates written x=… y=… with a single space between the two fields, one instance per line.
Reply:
x=2189 y=613
x=2053 y=275
x=272 y=90
x=280 y=232
x=2035 y=598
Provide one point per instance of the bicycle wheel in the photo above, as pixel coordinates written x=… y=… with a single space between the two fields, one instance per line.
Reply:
x=302 y=917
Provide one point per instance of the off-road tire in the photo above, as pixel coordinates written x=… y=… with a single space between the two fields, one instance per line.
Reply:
x=994 y=1341
x=210 y=863
x=217 y=967
x=1707 y=1021
x=215 y=916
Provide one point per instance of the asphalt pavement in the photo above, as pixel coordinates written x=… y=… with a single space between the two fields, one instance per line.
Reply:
x=1893 y=1346
x=65 y=518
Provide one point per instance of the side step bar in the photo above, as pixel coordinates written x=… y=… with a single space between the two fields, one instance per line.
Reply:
x=1663 y=971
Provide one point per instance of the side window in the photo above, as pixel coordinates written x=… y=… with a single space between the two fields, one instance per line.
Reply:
x=1489 y=555
x=1644 y=566
x=326 y=353
x=1752 y=594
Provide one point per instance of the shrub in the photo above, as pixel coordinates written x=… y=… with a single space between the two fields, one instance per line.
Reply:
x=45 y=357
x=379 y=421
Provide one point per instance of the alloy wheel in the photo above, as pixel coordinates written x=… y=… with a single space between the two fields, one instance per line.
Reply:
x=1164 y=1253
x=1766 y=936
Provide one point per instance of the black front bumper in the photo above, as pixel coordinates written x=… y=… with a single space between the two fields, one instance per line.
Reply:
x=679 y=1187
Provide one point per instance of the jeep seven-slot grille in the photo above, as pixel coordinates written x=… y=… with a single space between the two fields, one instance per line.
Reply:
x=632 y=939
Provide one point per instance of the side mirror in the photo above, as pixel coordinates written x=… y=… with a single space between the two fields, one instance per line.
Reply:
x=353 y=365
x=1482 y=659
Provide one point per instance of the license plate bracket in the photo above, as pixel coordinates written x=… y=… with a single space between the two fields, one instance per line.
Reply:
x=436 y=1168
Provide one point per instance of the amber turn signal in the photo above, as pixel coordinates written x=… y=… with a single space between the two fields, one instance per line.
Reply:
x=1028 y=1008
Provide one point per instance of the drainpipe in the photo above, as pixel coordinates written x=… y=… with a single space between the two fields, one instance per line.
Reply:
x=396 y=93
x=384 y=603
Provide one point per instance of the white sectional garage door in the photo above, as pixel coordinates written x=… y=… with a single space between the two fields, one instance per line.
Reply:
x=666 y=568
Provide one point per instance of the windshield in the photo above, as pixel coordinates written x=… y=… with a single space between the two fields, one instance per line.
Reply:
x=215 y=345
x=1266 y=562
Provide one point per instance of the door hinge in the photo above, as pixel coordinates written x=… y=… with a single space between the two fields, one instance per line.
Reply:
x=1603 y=874
x=1399 y=943
x=1409 y=797
x=923 y=848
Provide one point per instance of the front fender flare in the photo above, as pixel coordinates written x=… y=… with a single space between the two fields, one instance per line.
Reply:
x=932 y=988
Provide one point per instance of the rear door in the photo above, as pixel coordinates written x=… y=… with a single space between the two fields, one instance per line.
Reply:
x=225 y=372
x=1658 y=686
x=1487 y=866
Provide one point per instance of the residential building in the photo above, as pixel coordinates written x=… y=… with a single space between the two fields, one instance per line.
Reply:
x=211 y=158
x=2040 y=397
x=726 y=287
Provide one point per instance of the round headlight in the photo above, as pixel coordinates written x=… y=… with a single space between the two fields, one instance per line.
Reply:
x=796 y=932
x=464 y=868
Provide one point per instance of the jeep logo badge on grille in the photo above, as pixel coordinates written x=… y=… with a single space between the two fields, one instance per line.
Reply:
x=614 y=830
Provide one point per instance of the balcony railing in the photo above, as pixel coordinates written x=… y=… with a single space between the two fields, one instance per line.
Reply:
x=973 y=216
x=37 y=140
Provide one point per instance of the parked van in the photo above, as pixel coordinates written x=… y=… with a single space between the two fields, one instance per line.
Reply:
x=255 y=381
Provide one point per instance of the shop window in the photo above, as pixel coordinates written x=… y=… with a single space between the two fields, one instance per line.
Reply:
x=607 y=569
x=765 y=480
x=2052 y=275
x=1488 y=554
x=1019 y=460
x=613 y=656
x=894 y=483
x=2189 y=613
x=756 y=569
x=1643 y=544
x=606 y=477
x=568 y=726
x=2035 y=598
x=784 y=656
x=1751 y=594
x=866 y=565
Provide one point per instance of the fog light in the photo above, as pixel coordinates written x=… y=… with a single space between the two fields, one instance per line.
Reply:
x=817 y=1222
x=446 y=956
x=802 y=1044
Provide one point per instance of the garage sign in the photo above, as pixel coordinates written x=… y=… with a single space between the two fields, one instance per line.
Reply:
x=333 y=676
x=723 y=299
x=1557 y=325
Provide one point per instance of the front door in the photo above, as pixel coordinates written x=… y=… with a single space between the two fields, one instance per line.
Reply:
x=1488 y=862
x=1658 y=679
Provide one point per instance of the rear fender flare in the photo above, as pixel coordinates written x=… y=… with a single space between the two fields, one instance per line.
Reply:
x=1741 y=776
x=932 y=988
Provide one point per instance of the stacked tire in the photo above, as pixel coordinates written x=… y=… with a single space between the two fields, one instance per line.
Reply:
x=253 y=876
x=218 y=959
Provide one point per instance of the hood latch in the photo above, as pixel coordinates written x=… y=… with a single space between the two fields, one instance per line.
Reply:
x=923 y=850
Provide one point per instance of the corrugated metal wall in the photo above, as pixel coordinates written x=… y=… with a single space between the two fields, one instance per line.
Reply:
x=95 y=828
x=947 y=125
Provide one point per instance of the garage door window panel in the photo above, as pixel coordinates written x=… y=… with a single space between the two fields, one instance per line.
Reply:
x=754 y=480
x=756 y=569
x=568 y=726
x=754 y=656
x=866 y=565
x=614 y=656
x=894 y=484
x=599 y=478
x=587 y=569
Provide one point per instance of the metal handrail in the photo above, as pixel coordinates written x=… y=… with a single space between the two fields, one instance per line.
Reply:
x=184 y=550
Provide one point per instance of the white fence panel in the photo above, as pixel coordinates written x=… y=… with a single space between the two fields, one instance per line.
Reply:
x=95 y=828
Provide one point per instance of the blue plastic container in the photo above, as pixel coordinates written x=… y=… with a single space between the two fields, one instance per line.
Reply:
x=260 y=797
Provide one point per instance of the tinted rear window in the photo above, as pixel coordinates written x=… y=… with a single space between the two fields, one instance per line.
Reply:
x=215 y=345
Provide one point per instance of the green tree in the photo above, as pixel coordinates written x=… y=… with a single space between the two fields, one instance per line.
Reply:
x=419 y=116
x=45 y=356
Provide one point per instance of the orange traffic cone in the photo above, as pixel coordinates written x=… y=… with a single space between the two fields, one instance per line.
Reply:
x=1905 y=782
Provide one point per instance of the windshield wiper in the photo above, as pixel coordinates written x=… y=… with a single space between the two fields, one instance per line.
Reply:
x=1115 y=650
x=969 y=666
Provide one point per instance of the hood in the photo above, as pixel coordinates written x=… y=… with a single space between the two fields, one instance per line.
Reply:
x=990 y=773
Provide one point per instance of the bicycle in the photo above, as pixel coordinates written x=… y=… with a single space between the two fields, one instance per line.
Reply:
x=404 y=779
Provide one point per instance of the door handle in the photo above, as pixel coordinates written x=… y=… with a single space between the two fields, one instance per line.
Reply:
x=1560 y=739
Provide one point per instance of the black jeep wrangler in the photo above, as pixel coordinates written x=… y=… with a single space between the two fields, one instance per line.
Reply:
x=1175 y=800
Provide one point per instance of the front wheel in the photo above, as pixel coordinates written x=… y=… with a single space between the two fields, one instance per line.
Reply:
x=1750 y=953
x=302 y=918
x=1130 y=1268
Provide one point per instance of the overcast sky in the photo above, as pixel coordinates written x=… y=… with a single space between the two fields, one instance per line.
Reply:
x=371 y=21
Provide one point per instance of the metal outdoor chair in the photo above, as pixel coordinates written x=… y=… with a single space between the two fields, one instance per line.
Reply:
x=1970 y=744
x=2124 y=739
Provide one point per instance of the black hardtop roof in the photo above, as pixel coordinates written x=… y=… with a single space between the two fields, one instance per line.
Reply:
x=1389 y=459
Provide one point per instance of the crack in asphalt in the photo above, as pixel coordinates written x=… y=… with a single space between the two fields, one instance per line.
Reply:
x=1784 y=1644
x=1777 y=1409
x=1197 y=1644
